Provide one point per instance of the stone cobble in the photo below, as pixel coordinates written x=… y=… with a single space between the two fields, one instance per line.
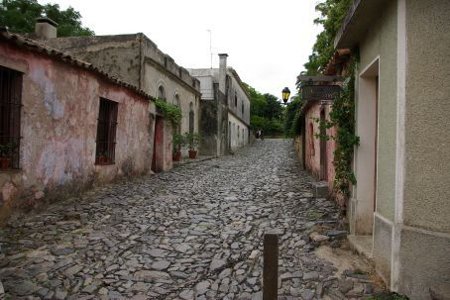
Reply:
x=195 y=232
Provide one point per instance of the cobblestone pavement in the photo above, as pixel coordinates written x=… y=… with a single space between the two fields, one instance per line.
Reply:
x=193 y=233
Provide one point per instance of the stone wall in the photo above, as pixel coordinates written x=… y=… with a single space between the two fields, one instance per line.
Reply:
x=118 y=55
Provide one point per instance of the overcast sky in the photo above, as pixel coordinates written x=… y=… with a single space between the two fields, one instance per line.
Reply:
x=267 y=41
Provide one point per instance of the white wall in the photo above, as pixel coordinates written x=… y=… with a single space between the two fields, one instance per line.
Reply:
x=238 y=132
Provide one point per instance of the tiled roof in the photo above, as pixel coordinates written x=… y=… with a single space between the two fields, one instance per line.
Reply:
x=38 y=47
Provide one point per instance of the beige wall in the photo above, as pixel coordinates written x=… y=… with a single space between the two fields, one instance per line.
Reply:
x=242 y=99
x=154 y=78
x=381 y=41
x=427 y=174
x=412 y=225
x=424 y=260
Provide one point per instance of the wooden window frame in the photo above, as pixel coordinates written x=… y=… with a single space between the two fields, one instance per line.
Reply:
x=10 y=113
x=105 y=151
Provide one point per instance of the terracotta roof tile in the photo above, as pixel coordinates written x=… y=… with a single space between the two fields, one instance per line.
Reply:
x=36 y=46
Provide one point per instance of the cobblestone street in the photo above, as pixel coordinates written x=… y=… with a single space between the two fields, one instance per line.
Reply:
x=195 y=232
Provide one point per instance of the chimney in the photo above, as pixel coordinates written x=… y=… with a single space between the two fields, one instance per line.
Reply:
x=222 y=72
x=45 y=28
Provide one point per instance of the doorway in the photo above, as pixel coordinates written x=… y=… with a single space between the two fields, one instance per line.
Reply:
x=323 y=147
x=366 y=155
x=158 y=145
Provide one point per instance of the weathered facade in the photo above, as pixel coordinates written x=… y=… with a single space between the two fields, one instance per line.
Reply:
x=318 y=149
x=135 y=59
x=225 y=109
x=65 y=124
x=399 y=207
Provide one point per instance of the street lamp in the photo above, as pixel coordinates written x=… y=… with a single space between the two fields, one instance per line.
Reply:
x=285 y=93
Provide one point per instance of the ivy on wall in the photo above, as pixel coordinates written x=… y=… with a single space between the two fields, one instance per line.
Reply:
x=342 y=117
x=169 y=111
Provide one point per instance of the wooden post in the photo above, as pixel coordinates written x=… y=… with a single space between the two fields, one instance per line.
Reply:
x=270 y=272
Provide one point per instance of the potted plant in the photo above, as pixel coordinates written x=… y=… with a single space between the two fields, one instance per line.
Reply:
x=178 y=141
x=192 y=140
x=5 y=155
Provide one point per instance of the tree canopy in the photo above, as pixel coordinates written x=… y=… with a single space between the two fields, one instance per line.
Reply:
x=332 y=13
x=20 y=16
x=266 y=112
x=292 y=116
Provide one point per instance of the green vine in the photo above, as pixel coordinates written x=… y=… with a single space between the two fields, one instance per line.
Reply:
x=169 y=111
x=342 y=117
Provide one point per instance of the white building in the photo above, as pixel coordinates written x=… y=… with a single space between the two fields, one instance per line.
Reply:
x=224 y=109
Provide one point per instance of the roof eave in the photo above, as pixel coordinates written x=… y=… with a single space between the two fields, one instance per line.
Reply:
x=361 y=14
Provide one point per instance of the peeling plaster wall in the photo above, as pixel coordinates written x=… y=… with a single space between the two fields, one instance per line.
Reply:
x=137 y=60
x=331 y=146
x=312 y=151
x=59 y=127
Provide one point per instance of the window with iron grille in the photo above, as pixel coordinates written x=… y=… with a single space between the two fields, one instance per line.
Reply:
x=106 y=132
x=10 y=106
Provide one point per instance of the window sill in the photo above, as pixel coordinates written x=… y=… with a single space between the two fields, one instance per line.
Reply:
x=10 y=171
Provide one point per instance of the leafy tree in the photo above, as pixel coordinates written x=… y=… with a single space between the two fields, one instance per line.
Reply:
x=20 y=16
x=292 y=115
x=273 y=108
x=266 y=113
x=332 y=13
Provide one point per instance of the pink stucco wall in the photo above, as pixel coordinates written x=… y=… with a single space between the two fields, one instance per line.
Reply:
x=59 y=127
x=312 y=143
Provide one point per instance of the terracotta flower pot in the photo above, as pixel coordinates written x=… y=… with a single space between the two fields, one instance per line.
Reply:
x=176 y=156
x=192 y=154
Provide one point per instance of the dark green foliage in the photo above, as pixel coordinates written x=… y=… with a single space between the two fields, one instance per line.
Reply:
x=178 y=141
x=192 y=140
x=266 y=113
x=332 y=13
x=169 y=111
x=292 y=124
x=342 y=117
x=20 y=16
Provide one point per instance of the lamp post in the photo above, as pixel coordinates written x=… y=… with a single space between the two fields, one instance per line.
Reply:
x=285 y=93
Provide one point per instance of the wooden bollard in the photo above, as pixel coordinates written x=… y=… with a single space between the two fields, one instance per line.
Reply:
x=270 y=271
